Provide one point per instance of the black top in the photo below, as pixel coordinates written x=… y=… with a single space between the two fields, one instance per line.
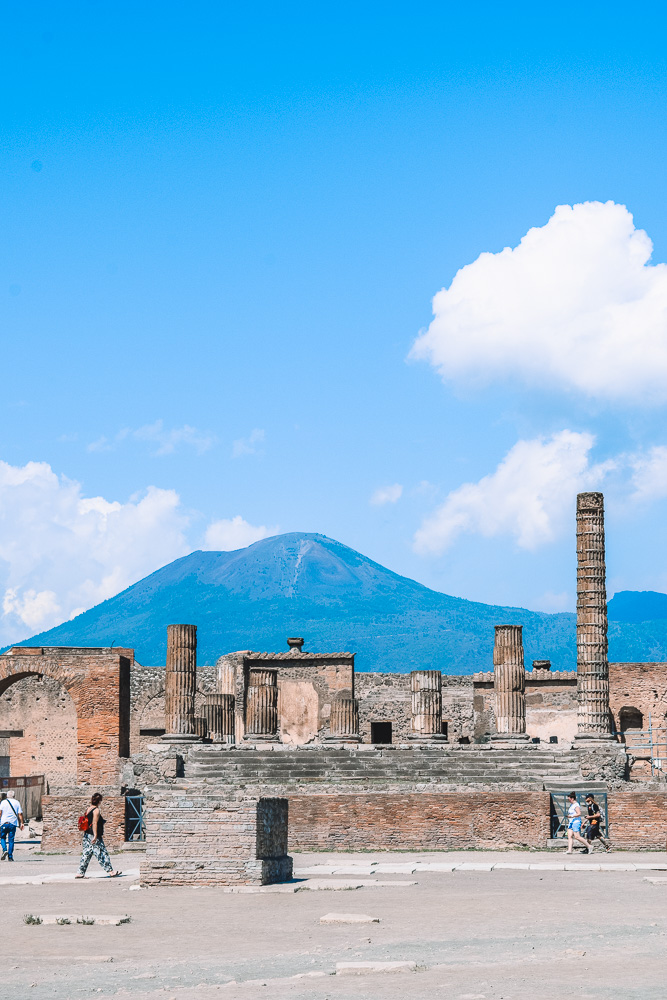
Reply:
x=100 y=821
x=594 y=814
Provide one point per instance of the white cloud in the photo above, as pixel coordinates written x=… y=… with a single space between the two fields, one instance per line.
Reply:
x=649 y=474
x=233 y=533
x=166 y=440
x=575 y=305
x=250 y=445
x=387 y=494
x=528 y=495
x=61 y=552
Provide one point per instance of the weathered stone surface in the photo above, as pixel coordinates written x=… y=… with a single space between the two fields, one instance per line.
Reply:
x=509 y=681
x=261 y=720
x=181 y=680
x=426 y=704
x=592 y=664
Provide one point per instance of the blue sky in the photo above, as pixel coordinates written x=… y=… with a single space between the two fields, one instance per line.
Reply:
x=222 y=234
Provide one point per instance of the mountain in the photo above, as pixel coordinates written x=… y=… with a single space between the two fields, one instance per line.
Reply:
x=311 y=585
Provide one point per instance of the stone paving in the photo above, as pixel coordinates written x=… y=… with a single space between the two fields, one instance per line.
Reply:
x=458 y=926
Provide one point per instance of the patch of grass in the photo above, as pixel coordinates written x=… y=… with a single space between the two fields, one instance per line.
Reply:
x=30 y=918
x=88 y=921
x=63 y=920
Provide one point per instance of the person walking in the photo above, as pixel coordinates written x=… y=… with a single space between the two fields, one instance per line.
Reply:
x=594 y=828
x=93 y=840
x=11 y=817
x=574 y=824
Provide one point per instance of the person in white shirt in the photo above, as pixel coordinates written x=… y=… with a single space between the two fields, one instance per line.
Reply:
x=11 y=817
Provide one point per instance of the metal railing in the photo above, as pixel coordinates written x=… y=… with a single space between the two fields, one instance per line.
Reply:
x=134 y=818
x=650 y=744
x=559 y=817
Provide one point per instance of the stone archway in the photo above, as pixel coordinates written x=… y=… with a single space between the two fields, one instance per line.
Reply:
x=41 y=709
x=98 y=682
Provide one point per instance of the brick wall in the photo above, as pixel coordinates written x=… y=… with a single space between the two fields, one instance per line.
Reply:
x=98 y=682
x=195 y=836
x=418 y=821
x=61 y=814
x=638 y=820
x=42 y=708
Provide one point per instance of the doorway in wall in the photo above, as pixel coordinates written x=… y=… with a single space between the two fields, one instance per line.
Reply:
x=381 y=732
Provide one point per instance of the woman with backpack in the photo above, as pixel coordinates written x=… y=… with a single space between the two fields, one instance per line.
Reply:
x=92 y=824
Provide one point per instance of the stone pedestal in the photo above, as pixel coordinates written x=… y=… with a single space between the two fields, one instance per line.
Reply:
x=593 y=720
x=344 y=721
x=219 y=713
x=509 y=683
x=180 y=684
x=261 y=709
x=426 y=706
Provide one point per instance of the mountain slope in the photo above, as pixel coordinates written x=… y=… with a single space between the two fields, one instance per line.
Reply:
x=311 y=585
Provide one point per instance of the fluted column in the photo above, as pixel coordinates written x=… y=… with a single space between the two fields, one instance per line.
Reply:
x=593 y=720
x=426 y=706
x=261 y=721
x=180 y=683
x=509 y=683
x=218 y=710
x=344 y=721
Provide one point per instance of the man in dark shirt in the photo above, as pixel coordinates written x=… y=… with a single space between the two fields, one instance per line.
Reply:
x=594 y=829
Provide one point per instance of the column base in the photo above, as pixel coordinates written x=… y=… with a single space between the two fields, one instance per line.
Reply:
x=427 y=738
x=510 y=741
x=344 y=738
x=597 y=739
x=261 y=738
x=181 y=738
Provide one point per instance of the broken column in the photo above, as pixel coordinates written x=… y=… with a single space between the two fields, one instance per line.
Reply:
x=261 y=709
x=218 y=710
x=593 y=721
x=180 y=684
x=509 y=684
x=344 y=721
x=426 y=706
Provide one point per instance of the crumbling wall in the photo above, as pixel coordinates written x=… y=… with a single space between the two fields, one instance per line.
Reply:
x=638 y=820
x=197 y=835
x=42 y=708
x=419 y=821
x=61 y=814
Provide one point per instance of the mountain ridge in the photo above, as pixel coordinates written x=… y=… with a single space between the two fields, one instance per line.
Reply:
x=308 y=584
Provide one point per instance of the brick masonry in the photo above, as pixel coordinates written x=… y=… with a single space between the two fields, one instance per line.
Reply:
x=98 y=683
x=638 y=819
x=418 y=821
x=61 y=814
x=197 y=836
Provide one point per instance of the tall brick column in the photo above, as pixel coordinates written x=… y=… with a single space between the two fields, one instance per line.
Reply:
x=426 y=706
x=180 y=684
x=593 y=721
x=261 y=709
x=344 y=721
x=509 y=684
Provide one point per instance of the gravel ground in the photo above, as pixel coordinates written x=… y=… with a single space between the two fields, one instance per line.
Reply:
x=501 y=935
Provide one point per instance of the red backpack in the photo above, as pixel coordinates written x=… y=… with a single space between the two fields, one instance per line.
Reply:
x=84 y=822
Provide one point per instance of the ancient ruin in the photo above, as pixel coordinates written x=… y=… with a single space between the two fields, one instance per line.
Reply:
x=229 y=765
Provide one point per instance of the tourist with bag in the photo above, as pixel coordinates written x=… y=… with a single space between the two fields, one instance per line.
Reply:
x=11 y=817
x=92 y=824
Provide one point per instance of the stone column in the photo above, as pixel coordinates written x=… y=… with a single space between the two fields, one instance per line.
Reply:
x=344 y=721
x=261 y=709
x=426 y=706
x=593 y=720
x=509 y=684
x=218 y=710
x=180 y=684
